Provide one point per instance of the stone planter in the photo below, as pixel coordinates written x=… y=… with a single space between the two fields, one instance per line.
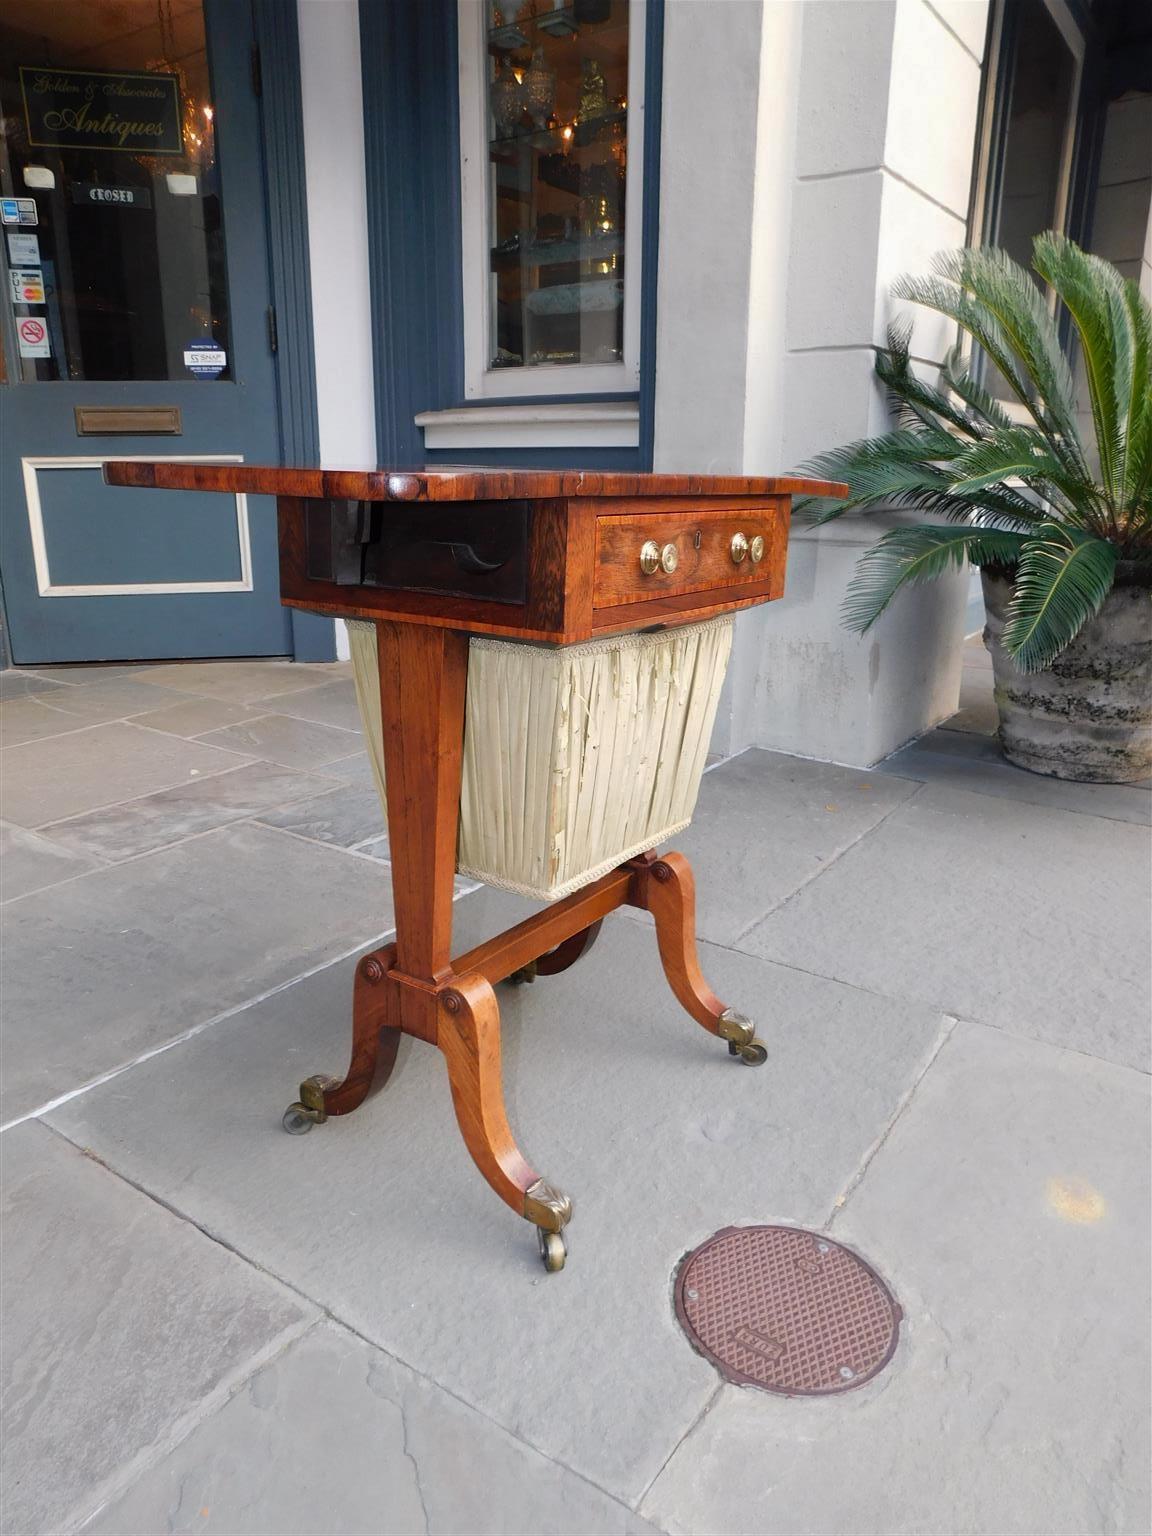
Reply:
x=1089 y=716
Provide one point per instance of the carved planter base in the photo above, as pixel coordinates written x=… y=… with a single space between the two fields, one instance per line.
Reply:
x=1088 y=716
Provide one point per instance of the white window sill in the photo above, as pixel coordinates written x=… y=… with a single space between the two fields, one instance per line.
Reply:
x=614 y=424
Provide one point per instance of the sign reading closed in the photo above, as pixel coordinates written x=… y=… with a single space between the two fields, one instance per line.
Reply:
x=95 y=109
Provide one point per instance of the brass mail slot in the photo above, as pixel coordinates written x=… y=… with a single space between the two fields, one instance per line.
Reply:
x=128 y=421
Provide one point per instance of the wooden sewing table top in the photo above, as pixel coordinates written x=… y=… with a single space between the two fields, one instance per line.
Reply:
x=546 y=555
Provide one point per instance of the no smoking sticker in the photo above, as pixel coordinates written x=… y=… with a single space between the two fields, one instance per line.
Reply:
x=33 y=336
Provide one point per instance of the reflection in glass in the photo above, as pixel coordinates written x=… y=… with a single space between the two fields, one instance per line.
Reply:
x=1040 y=109
x=109 y=131
x=557 y=98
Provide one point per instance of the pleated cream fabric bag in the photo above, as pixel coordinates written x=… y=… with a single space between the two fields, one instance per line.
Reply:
x=575 y=757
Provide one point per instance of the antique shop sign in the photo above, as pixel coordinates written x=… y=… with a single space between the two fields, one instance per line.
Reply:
x=95 y=109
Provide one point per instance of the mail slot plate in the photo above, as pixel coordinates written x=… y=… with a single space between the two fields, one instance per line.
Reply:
x=128 y=421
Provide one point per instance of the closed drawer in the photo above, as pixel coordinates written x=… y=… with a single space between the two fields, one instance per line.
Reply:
x=695 y=551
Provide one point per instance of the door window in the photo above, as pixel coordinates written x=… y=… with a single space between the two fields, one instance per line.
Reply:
x=113 y=233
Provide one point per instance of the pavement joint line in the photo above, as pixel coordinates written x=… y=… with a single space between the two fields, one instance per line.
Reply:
x=251 y=819
x=371 y=942
x=947 y=1028
x=93 y=725
x=324 y=1314
x=724 y=761
x=123 y=1478
x=45 y=827
x=828 y=864
x=267 y=714
x=335 y=778
x=968 y=789
x=193 y=698
x=146 y=853
x=709 y=1404
x=944 y=1009
x=636 y=916
x=219 y=1018
x=317 y=842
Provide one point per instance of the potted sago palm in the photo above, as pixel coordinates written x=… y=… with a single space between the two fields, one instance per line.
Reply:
x=1050 y=496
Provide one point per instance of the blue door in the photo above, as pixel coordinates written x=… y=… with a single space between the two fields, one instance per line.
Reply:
x=136 y=322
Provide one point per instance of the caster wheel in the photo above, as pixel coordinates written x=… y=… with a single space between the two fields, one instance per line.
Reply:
x=753 y=1054
x=297 y=1120
x=552 y=1250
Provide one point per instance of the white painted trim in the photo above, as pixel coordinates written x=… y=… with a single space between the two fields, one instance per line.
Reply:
x=480 y=381
x=610 y=424
x=44 y=583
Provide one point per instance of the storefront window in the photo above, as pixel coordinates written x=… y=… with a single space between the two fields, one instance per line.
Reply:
x=1039 y=119
x=113 y=236
x=550 y=159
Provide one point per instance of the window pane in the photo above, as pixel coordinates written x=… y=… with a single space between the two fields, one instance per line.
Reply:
x=115 y=245
x=1039 y=112
x=557 y=99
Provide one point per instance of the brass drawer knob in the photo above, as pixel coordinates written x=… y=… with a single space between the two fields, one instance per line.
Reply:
x=756 y=548
x=649 y=556
x=669 y=558
x=738 y=548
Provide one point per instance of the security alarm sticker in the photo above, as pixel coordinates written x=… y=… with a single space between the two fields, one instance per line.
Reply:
x=24 y=250
x=205 y=358
x=27 y=285
x=33 y=335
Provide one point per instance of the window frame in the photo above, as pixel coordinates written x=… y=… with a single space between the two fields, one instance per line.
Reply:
x=1001 y=57
x=542 y=380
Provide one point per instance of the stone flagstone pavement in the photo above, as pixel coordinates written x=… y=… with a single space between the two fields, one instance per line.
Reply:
x=210 y=1326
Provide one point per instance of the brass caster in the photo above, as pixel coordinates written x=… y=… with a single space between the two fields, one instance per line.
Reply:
x=752 y=1055
x=553 y=1251
x=299 y=1119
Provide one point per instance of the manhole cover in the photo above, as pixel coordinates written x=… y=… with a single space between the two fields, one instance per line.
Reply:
x=786 y=1310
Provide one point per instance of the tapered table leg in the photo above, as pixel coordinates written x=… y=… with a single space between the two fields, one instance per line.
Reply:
x=423 y=676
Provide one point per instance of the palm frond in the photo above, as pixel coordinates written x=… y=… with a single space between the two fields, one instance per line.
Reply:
x=912 y=401
x=1007 y=291
x=957 y=374
x=1138 y=431
x=995 y=339
x=905 y=556
x=1092 y=291
x=907 y=469
x=1021 y=452
x=979 y=323
x=1061 y=581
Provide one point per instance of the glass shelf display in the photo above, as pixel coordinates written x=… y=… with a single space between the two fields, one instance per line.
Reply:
x=557 y=158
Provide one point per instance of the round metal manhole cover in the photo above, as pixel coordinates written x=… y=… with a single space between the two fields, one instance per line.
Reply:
x=787 y=1310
